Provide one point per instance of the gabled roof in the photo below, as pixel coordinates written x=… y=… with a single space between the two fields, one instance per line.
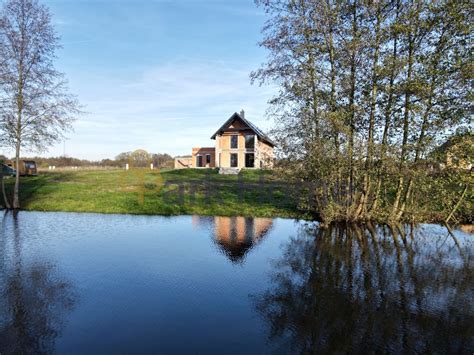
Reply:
x=262 y=136
x=463 y=139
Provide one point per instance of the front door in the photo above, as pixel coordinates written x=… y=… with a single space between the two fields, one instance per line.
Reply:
x=249 y=160
x=234 y=161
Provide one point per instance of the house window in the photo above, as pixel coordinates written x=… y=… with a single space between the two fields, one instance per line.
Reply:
x=199 y=161
x=249 y=160
x=249 y=141
x=234 y=161
x=208 y=158
x=234 y=142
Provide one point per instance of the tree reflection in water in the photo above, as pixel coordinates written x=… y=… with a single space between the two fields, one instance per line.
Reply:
x=33 y=297
x=374 y=290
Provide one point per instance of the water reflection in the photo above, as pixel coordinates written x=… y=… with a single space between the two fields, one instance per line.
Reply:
x=353 y=290
x=161 y=285
x=34 y=298
x=236 y=236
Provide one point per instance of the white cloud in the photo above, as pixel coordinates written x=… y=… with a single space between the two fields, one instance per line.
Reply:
x=169 y=108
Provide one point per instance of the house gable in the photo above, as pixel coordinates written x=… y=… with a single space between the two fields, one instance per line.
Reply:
x=237 y=123
x=239 y=144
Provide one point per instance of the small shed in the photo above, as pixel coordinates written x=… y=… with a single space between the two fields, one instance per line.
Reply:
x=26 y=168
x=457 y=152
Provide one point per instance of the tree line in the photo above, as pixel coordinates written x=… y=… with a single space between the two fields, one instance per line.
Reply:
x=135 y=159
x=367 y=89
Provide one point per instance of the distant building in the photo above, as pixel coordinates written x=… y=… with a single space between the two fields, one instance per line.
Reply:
x=239 y=144
x=457 y=152
x=183 y=162
x=26 y=168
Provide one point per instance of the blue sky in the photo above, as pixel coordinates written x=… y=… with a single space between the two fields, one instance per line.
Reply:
x=157 y=75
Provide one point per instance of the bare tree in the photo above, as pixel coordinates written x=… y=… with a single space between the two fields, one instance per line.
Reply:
x=37 y=108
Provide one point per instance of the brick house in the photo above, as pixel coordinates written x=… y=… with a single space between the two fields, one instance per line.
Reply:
x=239 y=144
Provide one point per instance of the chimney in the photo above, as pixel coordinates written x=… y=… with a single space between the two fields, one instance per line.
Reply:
x=242 y=113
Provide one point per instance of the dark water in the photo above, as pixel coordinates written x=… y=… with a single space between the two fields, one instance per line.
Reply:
x=85 y=283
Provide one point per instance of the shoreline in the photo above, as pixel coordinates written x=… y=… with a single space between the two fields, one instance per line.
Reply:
x=464 y=227
x=173 y=193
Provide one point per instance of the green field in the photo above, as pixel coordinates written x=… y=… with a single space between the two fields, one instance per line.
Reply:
x=144 y=191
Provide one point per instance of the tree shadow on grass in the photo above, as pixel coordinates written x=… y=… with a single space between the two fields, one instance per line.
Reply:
x=32 y=186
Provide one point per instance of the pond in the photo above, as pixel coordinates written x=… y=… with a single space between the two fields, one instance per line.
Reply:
x=88 y=283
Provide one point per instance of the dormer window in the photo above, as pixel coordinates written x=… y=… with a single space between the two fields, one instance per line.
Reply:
x=234 y=142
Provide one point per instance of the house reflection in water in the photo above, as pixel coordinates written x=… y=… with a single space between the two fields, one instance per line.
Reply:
x=236 y=236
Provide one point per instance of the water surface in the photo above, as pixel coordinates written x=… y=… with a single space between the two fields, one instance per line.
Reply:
x=87 y=283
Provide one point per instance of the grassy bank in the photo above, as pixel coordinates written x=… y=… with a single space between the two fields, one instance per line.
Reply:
x=143 y=191
x=204 y=192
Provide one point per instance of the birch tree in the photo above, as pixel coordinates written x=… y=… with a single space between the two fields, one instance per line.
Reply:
x=38 y=108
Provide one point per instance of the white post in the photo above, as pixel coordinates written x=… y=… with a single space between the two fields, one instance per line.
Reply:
x=151 y=166
x=126 y=166
x=54 y=167
x=49 y=167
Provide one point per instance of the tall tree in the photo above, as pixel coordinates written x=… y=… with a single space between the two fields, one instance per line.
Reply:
x=382 y=81
x=38 y=108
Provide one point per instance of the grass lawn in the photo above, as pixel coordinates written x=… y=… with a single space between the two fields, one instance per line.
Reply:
x=144 y=191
